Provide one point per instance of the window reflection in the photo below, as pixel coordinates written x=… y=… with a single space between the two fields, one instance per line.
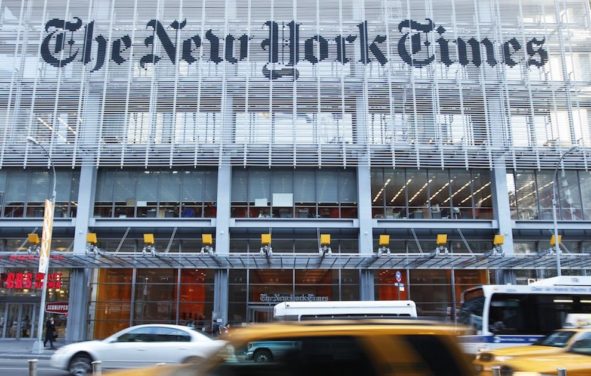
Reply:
x=288 y=193
x=531 y=193
x=431 y=194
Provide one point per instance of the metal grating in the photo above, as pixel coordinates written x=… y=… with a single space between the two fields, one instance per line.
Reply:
x=309 y=261
x=193 y=93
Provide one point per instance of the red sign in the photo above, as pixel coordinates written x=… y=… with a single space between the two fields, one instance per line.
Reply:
x=29 y=280
x=60 y=308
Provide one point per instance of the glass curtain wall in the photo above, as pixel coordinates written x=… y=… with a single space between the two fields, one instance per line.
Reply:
x=530 y=195
x=156 y=194
x=122 y=297
x=288 y=193
x=431 y=194
x=253 y=293
x=23 y=192
x=432 y=290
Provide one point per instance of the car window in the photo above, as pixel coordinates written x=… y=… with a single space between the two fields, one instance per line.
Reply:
x=582 y=345
x=436 y=355
x=165 y=334
x=556 y=339
x=309 y=356
x=137 y=335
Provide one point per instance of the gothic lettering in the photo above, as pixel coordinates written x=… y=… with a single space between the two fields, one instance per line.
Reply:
x=49 y=54
x=415 y=41
x=533 y=52
x=510 y=46
x=116 y=51
x=60 y=47
x=309 y=49
x=476 y=54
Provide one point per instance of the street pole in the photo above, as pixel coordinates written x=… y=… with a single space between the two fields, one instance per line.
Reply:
x=554 y=205
x=38 y=345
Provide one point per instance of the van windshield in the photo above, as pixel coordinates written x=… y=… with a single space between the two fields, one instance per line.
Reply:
x=472 y=309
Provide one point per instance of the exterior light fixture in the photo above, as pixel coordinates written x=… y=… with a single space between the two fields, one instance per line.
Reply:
x=498 y=242
x=207 y=242
x=554 y=245
x=384 y=245
x=325 y=245
x=266 y=248
x=34 y=243
x=91 y=244
x=149 y=245
x=441 y=242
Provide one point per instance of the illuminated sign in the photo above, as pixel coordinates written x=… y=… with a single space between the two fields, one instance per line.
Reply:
x=28 y=280
x=69 y=41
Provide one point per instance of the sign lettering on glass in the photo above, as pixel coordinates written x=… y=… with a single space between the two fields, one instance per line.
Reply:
x=69 y=41
x=27 y=280
x=276 y=298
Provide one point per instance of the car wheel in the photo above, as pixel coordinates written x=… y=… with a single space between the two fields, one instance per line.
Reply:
x=80 y=365
x=263 y=356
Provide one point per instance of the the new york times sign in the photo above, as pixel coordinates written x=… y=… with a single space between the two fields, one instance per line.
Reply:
x=67 y=42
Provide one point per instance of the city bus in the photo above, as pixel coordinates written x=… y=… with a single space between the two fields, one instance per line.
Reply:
x=383 y=309
x=511 y=315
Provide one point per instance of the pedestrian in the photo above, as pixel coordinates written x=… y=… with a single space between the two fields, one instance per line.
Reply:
x=25 y=326
x=49 y=333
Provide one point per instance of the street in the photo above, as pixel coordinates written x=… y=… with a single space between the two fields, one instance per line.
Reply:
x=20 y=367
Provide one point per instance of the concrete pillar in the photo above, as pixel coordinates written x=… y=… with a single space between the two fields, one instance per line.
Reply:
x=220 y=296
x=364 y=210
x=366 y=285
x=79 y=278
x=222 y=219
x=502 y=212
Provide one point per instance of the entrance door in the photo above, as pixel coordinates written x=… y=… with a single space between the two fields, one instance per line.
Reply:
x=19 y=320
x=260 y=314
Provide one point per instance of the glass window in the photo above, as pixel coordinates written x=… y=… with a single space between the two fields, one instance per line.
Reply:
x=525 y=190
x=545 y=189
x=570 y=196
x=147 y=186
x=461 y=194
x=439 y=194
x=259 y=185
x=417 y=193
x=39 y=187
x=124 y=186
x=164 y=334
x=170 y=183
x=347 y=186
x=138 y=335
x=305 y=187
x=585 y=178
x=327 y=186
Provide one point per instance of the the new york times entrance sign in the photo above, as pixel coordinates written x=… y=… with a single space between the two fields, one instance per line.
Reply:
x=67 y=42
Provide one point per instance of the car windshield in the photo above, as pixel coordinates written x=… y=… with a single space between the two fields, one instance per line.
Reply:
x=556 y=339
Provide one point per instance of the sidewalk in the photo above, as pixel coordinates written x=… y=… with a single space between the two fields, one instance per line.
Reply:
x=22 y=349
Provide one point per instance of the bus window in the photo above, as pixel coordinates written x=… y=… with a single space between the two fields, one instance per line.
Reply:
x=507 y=314
x=471 y=311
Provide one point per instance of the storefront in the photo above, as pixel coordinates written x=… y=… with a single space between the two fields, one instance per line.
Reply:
x=20 y=291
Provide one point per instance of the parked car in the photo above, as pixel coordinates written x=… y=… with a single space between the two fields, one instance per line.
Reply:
x=137 y=346
x=327 y=348
x=556 y=342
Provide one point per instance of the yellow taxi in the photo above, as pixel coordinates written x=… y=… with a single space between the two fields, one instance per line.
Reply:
x=576 y=361
x=344 y=348
x=557 y=342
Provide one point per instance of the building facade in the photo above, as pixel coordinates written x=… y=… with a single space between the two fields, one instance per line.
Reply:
x=348 y=118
